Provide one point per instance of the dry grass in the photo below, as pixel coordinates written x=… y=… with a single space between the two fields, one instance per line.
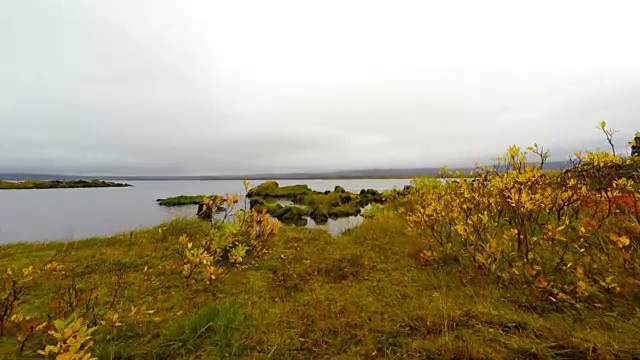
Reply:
x=360 y=295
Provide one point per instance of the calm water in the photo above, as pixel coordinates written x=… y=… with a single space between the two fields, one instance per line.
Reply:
x=68 y=214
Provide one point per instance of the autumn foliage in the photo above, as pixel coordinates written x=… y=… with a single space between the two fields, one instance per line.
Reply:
x=233 y=236
x=565 y=236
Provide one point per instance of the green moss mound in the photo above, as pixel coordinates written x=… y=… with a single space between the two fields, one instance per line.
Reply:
x=181 y=200
x=272 y=189
x=319 y=206
x=294 y=215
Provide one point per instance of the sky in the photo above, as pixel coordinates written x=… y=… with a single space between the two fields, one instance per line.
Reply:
x=180 y=87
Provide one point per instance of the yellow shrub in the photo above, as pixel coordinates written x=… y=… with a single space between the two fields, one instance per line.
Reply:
x=562 y=233
x=233 y=236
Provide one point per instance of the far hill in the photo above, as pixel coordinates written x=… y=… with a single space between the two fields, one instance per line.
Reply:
x=346 y=174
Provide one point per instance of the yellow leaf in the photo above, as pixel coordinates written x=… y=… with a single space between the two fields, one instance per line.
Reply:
x=563 y=296
x=581 y=287
x=621 y=241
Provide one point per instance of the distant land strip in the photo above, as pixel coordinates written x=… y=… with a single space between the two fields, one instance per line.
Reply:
x=348 y=174
x=56 y=184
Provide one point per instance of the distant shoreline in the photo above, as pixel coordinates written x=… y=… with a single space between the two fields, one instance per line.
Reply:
x=57 y=184
x=187 y=178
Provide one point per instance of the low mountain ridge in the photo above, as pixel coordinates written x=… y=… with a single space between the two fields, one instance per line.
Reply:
x=345 y=174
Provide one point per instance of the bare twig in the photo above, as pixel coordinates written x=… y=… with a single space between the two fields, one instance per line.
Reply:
x=608 y=133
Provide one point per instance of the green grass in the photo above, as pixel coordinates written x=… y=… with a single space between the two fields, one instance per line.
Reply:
x=57 y=184
x=181 y=200
x=311 y=295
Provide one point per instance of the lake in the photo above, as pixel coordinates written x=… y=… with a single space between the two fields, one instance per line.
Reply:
x=71 y=214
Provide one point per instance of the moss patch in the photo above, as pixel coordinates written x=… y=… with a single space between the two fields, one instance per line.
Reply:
x=181 y=200
x=319 y=206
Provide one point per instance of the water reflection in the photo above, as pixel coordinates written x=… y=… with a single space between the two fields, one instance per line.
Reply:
x=337 y=226
x=333 y=226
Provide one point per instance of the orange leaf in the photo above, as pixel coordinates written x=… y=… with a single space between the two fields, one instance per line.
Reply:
x=530 y=269
x=541 y=282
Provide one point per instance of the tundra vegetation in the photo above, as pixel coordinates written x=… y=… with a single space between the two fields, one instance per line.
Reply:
x=57 y=184
x=517 y=262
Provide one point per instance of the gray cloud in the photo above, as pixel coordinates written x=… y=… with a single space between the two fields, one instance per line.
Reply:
x=197 y=87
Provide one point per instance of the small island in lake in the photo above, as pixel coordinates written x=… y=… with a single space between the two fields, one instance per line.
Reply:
x=305 y=202
x=294 y=204
x=182 y=200
x=57 y=184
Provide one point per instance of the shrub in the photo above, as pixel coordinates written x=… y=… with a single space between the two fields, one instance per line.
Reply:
x=232 y=238
x=11 y=290
x=566 y=236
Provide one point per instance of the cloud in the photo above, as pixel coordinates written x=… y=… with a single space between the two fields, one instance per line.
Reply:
x=198 y=87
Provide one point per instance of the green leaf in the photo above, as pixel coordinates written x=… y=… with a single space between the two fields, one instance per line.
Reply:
x=603 y=124
x=60 y=324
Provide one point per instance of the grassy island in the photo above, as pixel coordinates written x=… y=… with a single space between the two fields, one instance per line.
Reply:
x=57 y=184
x=319 y=206
x=182 y=200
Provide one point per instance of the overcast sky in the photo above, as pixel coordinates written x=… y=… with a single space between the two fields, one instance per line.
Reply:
x=177 y=87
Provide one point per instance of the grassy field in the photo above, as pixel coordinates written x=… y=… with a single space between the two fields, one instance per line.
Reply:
x=359 y=295
x=57 y=184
